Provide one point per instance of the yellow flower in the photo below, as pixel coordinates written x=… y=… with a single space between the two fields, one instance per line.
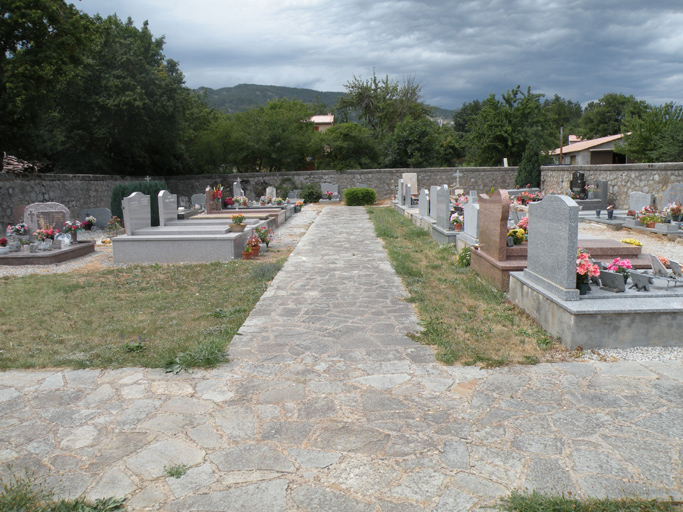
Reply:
x=631 y=241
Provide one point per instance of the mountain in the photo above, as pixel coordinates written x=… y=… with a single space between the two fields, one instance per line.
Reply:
x=245 y=96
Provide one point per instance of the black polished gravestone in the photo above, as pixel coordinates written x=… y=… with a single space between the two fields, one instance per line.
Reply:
x=578 y=184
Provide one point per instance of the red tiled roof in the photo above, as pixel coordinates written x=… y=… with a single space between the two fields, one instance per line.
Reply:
x=586 y=144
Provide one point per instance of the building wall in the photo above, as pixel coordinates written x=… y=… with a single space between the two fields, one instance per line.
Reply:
x=77 y=192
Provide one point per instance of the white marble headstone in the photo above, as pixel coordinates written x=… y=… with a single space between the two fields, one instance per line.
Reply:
x=137 y=213
x=46 y=216
x=471 y=213
x=271 y=192
x=639 y=200
x=443 y=207
x=424 y=203
x=168 y=207
x=434 y=201
x=410 y=178
x=401 y=193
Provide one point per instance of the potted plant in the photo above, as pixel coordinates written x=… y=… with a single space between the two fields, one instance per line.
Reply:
x=457 y=221
x=89 y=222
x=674 y=211
x=3 y=246
x=264 y=200
x=114 y=226
x=524 y=224
x=255 y=243
x=297 y=206
x=237 y=223
x=279 y=201
x=650 y=220
x=247 y=253
x=591 y=189
x=45 y=234
x=18 y=229
x=73 y=228
x=265 y=235
x=517 y=236
x=631 y=213
x=585 y=268
x=240 y=201
x=610 y=212
x=621 y=266
x=327 y=194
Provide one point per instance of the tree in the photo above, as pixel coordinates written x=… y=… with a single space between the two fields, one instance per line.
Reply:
x=529 y=170
x=655 y=136
x=382 y=104
x=348 y=146
x=562 y=114
x=504 y=128
x=463 y=116
x=414 y=143
x=605 y=117
x=125 y=110
x=40 y=42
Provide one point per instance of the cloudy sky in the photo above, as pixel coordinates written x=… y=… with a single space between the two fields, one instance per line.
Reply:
x=457 y=50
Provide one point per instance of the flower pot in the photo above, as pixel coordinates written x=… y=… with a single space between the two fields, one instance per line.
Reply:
x=625 y=278
x=610 y=214
x=597 y=213
x=4 y=250
x=74 y=237
x=238 y=228
x=255 y=250
x=457 y=227
x=262 y=248
x=650 y=225
x=247 y=255
x=583 y=288
x=297 y=209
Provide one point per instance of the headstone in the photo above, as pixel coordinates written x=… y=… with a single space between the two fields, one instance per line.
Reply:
x=433 y=202
x=199 y=199
x=237 y=188
x=553 y=243
x=271 y=192
x=168 y=207
x=443 y=208
x=493 y=219
x=46 y=216
x=401 y=193
x=293 y=194
x=614 y=281
x=641 y=282
x=407 y=191
x=424 y=203
x=603 y=191
x=457 y=175
x=360 y=185
x=184 y=202
x=102 y=216
x=209 y=201
x=410 y=178
x=672 y=194
x=578 y=183
x=18 y=214
x=639 y=200
x=471 y=212
x=136 y=212
x=330 y=187
x=473 y=197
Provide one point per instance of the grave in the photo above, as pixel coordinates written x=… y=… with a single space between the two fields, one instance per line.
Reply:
x=410 y=180
x=470 y=233
x=176 y=241
x=102 y=216
x=600 y=199
x=495 y=260
x=199 y=199
x=400 y=197
x=423 y=203
x=46 y=216
x=639 y=200
x=673 y=194
x=432 y=206
x=271 y=192
x=237 y=188
x=602 y=318
x=440 y=230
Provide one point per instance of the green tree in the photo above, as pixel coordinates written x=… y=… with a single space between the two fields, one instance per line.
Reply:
x=382 y=104
x=529 y=170
x=655 y=136
x=40 y=42
x=463 y=116
x=125 y=110
x=348 y=146
x=605 y=116
x=414 y=143
x=564 y=114
x=504 y=128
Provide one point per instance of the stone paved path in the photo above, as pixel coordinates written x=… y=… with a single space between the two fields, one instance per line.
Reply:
x=328 y=406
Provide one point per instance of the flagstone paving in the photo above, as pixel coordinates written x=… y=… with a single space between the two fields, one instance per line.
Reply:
x=327 y=405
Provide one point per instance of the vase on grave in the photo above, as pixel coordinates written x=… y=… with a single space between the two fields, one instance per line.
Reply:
x=237 y=228
x=650 y=225
x=263 y=247
x=583 y=288
x=610 y=214
x=4 y=250
x=457 y=227
x=597 y=213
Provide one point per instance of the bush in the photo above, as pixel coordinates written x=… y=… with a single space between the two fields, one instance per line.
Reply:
x=359 y=196
x=311 y=193
x=149 y=188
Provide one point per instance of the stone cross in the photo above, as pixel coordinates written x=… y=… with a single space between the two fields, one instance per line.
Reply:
x=553 y=244
x=457 y=178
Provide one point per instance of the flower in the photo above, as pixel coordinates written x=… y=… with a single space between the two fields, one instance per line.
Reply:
x=3 y=242
x=610 y=207
x=278 y=200
x=253 y=241
x=42 y=234
x=240 y=200
x=631 y=241
x=517 y=235
x=72 y=227
x=299 y=203
x=264 y=234
x=18 y=229
x=585 y=267
x=664 y=260
x=673 y=209
x=218 y=191
x=620 y=266
x=228 y=201
x=264 y=199
x=524 y=224
x=456 y=218
x=237 y=219
x=90 y=219
x=631 y=213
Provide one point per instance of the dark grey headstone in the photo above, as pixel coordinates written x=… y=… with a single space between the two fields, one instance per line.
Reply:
x=102 y=216
x=603 y=191
x=613 y=281
x=136 y=212
x=553 y=243
x=639 y=200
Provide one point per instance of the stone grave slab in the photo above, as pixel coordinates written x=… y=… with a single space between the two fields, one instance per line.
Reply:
x=271 y=192
x=46 y=216
x=612 y=281
x=639 y=200
x=424 y=203
x=553 y=243
x=168 y=207
x=471 y=224
x=330 y=187
x=410 y=178
x=102 y=216
x=199 y=199
x=137 y=212
x=671 y=194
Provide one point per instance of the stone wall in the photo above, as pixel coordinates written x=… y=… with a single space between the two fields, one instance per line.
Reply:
x=77 y=192
x=623 y=179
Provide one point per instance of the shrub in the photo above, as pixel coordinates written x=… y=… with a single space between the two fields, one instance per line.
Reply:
x=359 y=196
x=149 y=188
x=311 y=193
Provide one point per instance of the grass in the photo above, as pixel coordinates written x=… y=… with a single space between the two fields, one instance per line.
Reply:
x=467 y=319
x=173 y=316
x=536 y=502
x=176 y=471
x=27 y=494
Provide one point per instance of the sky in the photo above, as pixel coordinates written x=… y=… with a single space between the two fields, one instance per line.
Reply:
x=458 y=51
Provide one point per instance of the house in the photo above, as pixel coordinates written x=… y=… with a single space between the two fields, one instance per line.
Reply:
x=589 y=152
x=322 y=123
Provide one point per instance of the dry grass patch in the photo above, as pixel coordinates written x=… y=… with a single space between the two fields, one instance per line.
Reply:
x=464 y=317
x=141 y=315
